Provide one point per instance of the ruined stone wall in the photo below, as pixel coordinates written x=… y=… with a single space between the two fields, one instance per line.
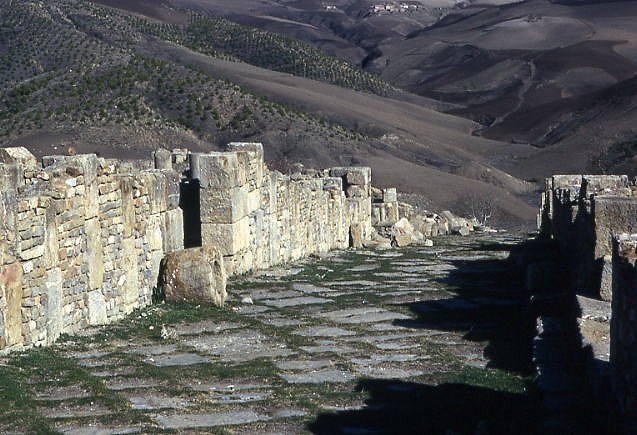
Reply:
x=581 y=213
x=81 y=239
x=259 y=218
x=385 y=210
x=623 y=331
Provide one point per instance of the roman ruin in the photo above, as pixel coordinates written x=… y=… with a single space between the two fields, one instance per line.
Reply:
x=83 y=238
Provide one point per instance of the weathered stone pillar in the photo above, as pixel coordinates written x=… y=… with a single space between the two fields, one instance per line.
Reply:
x=225 y=202
x=11 y=290
x=357 y=184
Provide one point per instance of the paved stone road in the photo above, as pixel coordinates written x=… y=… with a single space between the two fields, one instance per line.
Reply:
x=418 y=340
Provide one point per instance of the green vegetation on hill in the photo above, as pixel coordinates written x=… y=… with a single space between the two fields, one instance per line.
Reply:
x=68 y=64
x=275 y=52
x=221 y=38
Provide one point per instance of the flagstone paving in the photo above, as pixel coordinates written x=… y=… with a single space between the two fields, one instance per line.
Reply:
x=412 y=340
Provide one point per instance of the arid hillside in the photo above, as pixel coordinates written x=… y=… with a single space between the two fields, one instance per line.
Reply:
x=555 y=75
x=122 y=82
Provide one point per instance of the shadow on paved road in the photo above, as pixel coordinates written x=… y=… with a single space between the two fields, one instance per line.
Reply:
x=488 y=307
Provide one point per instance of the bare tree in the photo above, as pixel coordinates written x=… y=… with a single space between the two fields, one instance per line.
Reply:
x=481 y=208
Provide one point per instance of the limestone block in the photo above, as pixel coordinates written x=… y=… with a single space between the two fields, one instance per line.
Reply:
x=385 y=214
x=153 y=237
x=606 y=282
x=361 y=176
x=377 y=243
x=332 y=183
x=355 y=191
x=417 y=238
x=250 y=155
x=402 y=233
x=127 y=186
x=463 y=231
x=340 y=172
x=94 y=256
x=612 y=215
x=224 y=206
x=390 y=195
x=163 y=159
x=11 y=290
x=173 y=230
x=157 y=185
x=254 y=201
x=256 y=148
x=180 y=155
x=32 y=253
x=129 y=282
x=604 y=183
x=356 y=235
x=228 y=238
x=401 y=240
x=194 y=275
x=217 y=170
x=84 y=165
x=54 y=305
x=8 y=227
x=96 y=304
x=19 y=155
x=174 y=188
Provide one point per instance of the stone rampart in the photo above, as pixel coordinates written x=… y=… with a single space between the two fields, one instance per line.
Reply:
x=260 y=218
x=81 y=241
x=581 y=213
x=588 y=227
x=623 y=330
x=82 y=238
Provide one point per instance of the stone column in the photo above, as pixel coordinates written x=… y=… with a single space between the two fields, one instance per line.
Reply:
x=225 y=202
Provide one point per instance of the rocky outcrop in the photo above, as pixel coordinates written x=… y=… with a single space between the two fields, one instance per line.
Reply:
x=194 y=275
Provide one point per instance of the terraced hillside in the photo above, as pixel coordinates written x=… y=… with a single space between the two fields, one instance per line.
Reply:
x=119 y=84
x=71 y=69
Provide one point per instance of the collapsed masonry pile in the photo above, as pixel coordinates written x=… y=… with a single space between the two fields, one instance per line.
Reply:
x=398 y=224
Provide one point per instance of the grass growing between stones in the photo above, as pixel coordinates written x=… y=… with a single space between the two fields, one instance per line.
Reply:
x=17 y=405
x=441 y=334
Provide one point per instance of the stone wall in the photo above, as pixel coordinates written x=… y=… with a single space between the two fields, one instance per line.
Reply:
x=581 y=213
x=82 y=237
x=623 y=331
x=588 y=225
x=81 y=240
x=259 y=218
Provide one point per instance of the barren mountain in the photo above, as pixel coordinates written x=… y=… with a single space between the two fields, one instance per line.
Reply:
x=549 y=74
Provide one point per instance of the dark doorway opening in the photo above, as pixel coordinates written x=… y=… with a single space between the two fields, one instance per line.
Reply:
x=189 y=203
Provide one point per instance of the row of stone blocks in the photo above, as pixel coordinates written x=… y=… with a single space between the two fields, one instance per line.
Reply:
x=81 y=239
x=260 y=218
